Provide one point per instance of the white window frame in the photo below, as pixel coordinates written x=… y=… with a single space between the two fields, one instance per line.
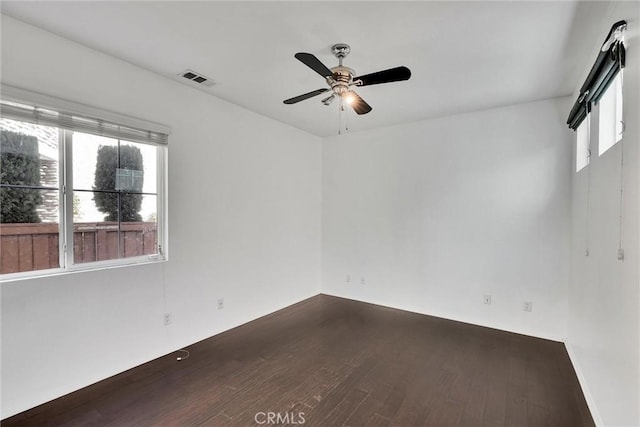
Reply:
x=65 y=171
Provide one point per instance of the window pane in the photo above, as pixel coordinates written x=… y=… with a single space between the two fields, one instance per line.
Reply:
x=582 y=145
x=29 y=217
x=84 y=207
x=95 y=241
x=86 y=149
x=141 y=237
x=610 y=116
x=97 y=237
x=94 y=238
x=29 y=154
x=619 y=118
x=29 y=242
x=140 y=159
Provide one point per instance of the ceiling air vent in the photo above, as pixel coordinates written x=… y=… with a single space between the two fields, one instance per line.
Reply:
x=197 y=78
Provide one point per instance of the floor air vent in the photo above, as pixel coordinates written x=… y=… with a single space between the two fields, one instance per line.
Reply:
x=197 y=78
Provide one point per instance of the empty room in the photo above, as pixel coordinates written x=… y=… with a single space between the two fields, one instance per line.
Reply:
x=357 y=213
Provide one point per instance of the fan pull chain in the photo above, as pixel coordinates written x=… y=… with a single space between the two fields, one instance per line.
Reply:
x=340 y=110
x=346 y=120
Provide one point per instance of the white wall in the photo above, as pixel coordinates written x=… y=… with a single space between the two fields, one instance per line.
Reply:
x=433 y=215
x=604 y=296
x=244 y=224
x=438 y=213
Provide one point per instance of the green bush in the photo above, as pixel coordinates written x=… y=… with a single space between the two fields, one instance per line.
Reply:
x=105 y=179
x=19 y=165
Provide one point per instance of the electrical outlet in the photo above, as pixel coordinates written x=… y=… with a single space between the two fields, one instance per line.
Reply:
x=362 y=281
x=487 y=299
x=348 y=278
x=167 y=319
x=528 y=306
x=220 y=303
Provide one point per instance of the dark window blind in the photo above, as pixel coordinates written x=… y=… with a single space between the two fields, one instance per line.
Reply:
x=609 y=62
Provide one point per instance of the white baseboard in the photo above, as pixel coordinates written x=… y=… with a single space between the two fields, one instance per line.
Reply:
x=500 y=327
x=583 y=384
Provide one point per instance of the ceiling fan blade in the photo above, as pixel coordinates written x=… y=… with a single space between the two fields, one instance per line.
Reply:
x=386 y=76
x=314 y=63
x=305 y=96
x=358 y=104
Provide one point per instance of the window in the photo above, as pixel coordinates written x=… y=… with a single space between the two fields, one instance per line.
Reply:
x=610 y=116
x=582 y=145
x=603 y=86
x=77 y=192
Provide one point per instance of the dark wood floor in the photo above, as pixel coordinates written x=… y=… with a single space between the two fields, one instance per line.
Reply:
x=335 y=362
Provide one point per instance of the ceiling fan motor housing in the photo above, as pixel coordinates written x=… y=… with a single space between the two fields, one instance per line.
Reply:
x=341 y=79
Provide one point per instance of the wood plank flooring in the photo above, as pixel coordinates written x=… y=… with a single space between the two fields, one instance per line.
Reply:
x=329 y=361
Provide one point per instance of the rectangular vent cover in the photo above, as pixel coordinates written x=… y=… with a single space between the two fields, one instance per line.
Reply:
x=197 y=78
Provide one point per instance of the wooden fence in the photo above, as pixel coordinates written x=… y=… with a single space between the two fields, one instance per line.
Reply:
x=26 y=247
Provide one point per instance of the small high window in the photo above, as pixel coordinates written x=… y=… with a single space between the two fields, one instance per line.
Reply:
x=610 y=116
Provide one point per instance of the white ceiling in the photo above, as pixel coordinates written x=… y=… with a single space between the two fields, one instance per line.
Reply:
x=464 y=56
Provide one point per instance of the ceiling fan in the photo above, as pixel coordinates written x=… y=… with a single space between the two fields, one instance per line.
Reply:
x=341 y=79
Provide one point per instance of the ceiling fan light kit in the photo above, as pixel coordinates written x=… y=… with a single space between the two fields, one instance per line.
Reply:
x=341 y=79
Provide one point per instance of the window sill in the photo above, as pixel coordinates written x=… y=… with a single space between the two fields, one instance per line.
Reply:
x=80 y=268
